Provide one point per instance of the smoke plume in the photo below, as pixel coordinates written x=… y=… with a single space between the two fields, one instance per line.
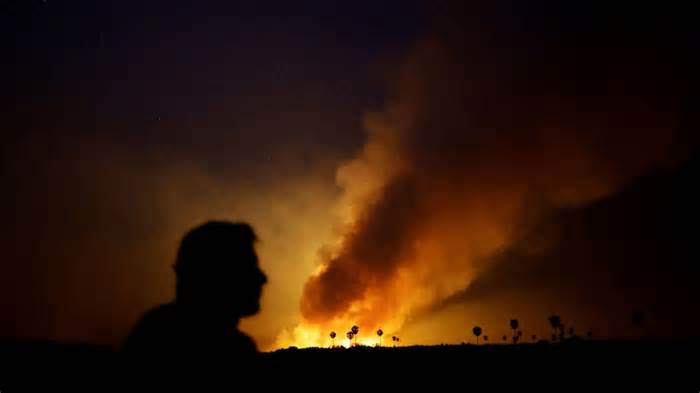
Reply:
x=488 y=129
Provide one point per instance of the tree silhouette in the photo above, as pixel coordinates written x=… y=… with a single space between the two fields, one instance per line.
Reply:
x=505 y=338
x=590 y=335
x=514 y=324
x=554 y=322
x=380 y=333
x=486 y=339
x=393 y=338
x=477 y=332
x=355 y=330
x=332 y=339
x=515 y=339
x=534 y=338
x=562 y=332
x=350 y=336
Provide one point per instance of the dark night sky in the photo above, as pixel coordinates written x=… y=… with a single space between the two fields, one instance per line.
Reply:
x=114 y=106
x=119 y=66
x=127 y=122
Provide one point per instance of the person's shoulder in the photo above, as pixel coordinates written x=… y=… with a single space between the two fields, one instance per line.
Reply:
x=152 y=326
x=165 y=314
x=162 y=312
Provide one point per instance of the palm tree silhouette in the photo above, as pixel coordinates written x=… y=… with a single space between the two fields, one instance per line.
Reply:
x=380 y=333
x=486 y=339
x=355 y=330
x=505 y=338
x=514 y=324
x=350 y=335
x=534 y=338
x=554 y=322
x=393 y=338
x=332 y=339
x=562 y=332
x=477 y=332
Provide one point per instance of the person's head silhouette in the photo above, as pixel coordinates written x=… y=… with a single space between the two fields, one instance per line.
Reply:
x=217 y=270
x=218 y=282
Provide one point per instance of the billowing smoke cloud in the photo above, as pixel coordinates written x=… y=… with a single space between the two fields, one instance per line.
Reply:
x=489 y=127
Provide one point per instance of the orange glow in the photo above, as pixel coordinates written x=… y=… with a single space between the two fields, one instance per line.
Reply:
x=418 y=225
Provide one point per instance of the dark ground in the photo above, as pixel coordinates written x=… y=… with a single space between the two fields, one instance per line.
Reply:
x=649 y=365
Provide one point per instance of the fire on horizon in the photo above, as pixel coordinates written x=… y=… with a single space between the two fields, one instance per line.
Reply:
x=456 y=165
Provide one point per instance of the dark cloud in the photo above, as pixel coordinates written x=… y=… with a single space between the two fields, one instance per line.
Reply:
x=633 y=250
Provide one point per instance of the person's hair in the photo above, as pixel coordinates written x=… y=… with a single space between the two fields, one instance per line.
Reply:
x=202 y=248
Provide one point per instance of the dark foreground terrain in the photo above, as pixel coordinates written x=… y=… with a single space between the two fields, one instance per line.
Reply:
x=650 y=365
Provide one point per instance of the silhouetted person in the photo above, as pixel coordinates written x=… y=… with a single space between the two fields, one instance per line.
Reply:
x=218 y=282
